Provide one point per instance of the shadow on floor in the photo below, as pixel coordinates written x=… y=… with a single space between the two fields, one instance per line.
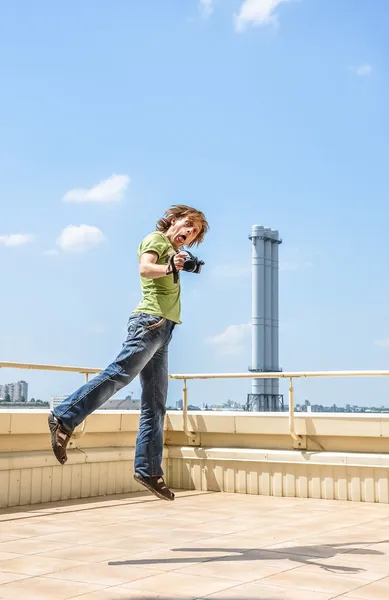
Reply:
x=298 y=554
x=32 y=511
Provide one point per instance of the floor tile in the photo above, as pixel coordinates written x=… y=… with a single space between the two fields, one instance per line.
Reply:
x=121 y=593
x=191 y=586
x=240 y=570
x=7 y=577
x=173 y=536
x=378 y=590
x=103 y=574
x=8 y=555
x=43 y=588
x=36 y=565
x=130 y=545
x=253 y=591
x=302 y=578
x=31 y=546
x=86 y=553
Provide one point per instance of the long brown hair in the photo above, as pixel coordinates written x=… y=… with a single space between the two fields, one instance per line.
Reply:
x=179 y=211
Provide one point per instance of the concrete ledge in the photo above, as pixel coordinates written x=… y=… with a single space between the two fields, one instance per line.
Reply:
x=278 y=423
x=335 y=476
x=323 y=432
x=300 y=457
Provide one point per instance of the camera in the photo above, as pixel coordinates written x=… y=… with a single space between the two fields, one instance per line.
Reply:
x=192 y=264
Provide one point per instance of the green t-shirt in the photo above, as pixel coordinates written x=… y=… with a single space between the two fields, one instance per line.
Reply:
x=160 y=296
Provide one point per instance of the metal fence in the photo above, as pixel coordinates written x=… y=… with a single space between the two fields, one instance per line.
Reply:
x=190 y=376
x=264 y=375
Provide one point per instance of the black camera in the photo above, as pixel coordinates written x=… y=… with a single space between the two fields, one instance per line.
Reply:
x=192 y=264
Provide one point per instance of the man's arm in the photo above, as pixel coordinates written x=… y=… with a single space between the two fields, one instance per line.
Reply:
x=149 y=269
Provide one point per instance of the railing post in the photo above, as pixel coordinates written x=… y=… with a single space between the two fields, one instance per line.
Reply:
x=297 y=438
x=193 y=437
x=185 y=408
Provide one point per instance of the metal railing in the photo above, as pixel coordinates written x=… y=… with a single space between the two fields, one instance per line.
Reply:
x=185 y=377
x=264 y=375
x=35 y=367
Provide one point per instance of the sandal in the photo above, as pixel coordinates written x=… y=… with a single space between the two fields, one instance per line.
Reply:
x=156 y=485
x=59 y=439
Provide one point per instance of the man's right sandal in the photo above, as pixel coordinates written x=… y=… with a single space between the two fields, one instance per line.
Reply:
x=156 y=485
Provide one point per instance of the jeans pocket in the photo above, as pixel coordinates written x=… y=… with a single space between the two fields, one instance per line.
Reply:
x=154 y=322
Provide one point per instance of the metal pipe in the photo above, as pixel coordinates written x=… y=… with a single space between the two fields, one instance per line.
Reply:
x=32 y=366
x=258 y=306
x=275 y=310
x=268 y=314
x=281 y=375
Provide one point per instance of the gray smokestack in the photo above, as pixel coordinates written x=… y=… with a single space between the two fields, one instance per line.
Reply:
x=265 y=328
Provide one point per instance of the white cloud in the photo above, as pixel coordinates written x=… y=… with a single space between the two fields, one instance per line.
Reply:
x=233 y=340
x=109 y=190
x=363 y=70
x=257 y=13
x=77 y=238
x=384 y=343
x=206 y=8
x=16 y=239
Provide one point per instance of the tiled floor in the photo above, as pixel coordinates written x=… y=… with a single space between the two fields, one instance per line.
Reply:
x=203 y=545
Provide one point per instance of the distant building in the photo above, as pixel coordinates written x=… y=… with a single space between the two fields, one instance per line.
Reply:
x=14 y=392
x=21 y=391
x=55 y=400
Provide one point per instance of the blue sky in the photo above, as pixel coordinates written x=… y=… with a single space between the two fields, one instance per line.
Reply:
x=265 y=111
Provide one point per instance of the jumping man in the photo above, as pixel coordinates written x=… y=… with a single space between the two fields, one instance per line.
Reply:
x=145 y=350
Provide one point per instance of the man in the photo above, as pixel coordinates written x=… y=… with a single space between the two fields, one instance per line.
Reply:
x=145 y=350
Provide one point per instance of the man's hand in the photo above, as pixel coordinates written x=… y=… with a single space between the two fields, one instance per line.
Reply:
x=179 y=260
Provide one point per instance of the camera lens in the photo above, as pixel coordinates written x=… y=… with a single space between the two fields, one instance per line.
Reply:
x=189 y=265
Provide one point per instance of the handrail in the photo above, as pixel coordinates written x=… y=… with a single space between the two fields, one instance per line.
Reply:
x=260 y=375
x=63 y=368
x=37 y=367
x=281 y=375
x=270 y=375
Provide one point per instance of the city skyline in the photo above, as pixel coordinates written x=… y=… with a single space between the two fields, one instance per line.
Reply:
x=127 y=402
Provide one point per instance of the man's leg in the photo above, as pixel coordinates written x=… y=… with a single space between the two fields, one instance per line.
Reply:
x=149 y=443
x=145 y=336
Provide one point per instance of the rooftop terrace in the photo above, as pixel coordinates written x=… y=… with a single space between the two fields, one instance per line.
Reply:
x=203 y=545
x=269 y=506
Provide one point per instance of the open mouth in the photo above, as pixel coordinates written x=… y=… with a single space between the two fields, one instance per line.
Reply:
x=181 y=239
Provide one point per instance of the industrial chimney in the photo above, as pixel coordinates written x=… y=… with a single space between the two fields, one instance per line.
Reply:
x=265 y=394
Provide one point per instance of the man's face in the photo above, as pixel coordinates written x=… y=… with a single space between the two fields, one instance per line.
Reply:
x=184 y=231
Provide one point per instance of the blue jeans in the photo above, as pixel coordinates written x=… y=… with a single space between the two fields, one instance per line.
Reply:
x=144 y=353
